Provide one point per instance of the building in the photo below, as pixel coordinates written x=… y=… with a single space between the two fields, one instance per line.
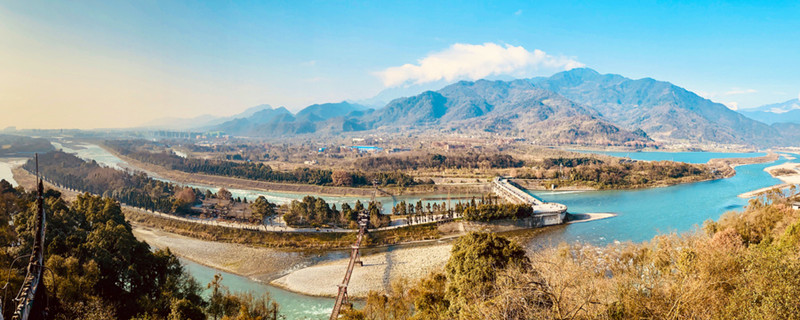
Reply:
x=366 y=148
x=796 y=205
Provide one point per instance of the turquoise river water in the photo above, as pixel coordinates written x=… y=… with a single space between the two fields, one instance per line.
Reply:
x=644 y=213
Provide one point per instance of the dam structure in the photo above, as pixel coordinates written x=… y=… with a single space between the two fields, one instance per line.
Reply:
x=547 y=213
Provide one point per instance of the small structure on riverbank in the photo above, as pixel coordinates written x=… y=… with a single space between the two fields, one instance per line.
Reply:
x=549 y=213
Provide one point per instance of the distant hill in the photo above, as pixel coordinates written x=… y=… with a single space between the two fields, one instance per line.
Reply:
x=663 y=110
x=387 y=95
x=791 y=132
x=199 y=122
x=327 y=117
x=247 y=125
x=788 y=111
x=325 y=111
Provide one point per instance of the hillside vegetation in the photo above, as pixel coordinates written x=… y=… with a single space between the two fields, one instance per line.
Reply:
x=744 y=266
x=96 y=269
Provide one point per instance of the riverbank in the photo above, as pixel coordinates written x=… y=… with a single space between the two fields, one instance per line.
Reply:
x=262 y=264
x=788 y=173
x=732 y=163
x=377 y=273
x=7 y=165
x=586 y=217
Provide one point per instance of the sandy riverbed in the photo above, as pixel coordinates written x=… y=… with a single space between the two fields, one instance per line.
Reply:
x=377 y=274
x=263 y=264
x=789 y=178
x=586 y=217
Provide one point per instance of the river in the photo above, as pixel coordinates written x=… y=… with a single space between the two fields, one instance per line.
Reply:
x=6 y=164
x=641 y=215
x=688 y=157
x=644 y=213
x=292 y=305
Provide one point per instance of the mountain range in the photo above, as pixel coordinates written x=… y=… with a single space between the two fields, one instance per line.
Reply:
x=575 y=106
x=663 y=110
x=788 y=112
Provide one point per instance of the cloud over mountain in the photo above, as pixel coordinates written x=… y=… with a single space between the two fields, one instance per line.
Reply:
x=475 y=61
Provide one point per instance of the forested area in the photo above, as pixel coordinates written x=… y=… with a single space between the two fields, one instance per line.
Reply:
x=259 y=171
x=98 y=270
x=744 y=266
x=315 y=212
x=134 y=189
x=467 y=160
x=617 y=174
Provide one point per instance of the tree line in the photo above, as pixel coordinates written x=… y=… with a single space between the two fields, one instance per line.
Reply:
x=134 y=189
x=621 y=174
x=259 y=171
x=316 y=212
x=485 y=209
x=438 y=161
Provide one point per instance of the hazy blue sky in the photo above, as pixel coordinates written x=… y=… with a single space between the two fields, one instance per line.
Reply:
x=110 y=63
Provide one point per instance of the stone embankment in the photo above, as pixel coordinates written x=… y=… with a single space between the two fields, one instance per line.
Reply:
x=544 y=213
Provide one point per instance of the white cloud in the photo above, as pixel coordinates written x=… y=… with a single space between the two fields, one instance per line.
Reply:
x=740 y=91
x=475 y=61
x=309 y=63
x=518 y=12
x=732 y=105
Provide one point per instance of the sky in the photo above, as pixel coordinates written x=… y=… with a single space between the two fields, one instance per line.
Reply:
x=102 y=64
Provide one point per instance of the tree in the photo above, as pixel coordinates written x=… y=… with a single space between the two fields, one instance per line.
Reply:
x=224 y=194
x=186 y=195
x=342 y=178
x=473 y=265
x=185 y=310
x=184 y=200
x=216 y=307
x=262 y=208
